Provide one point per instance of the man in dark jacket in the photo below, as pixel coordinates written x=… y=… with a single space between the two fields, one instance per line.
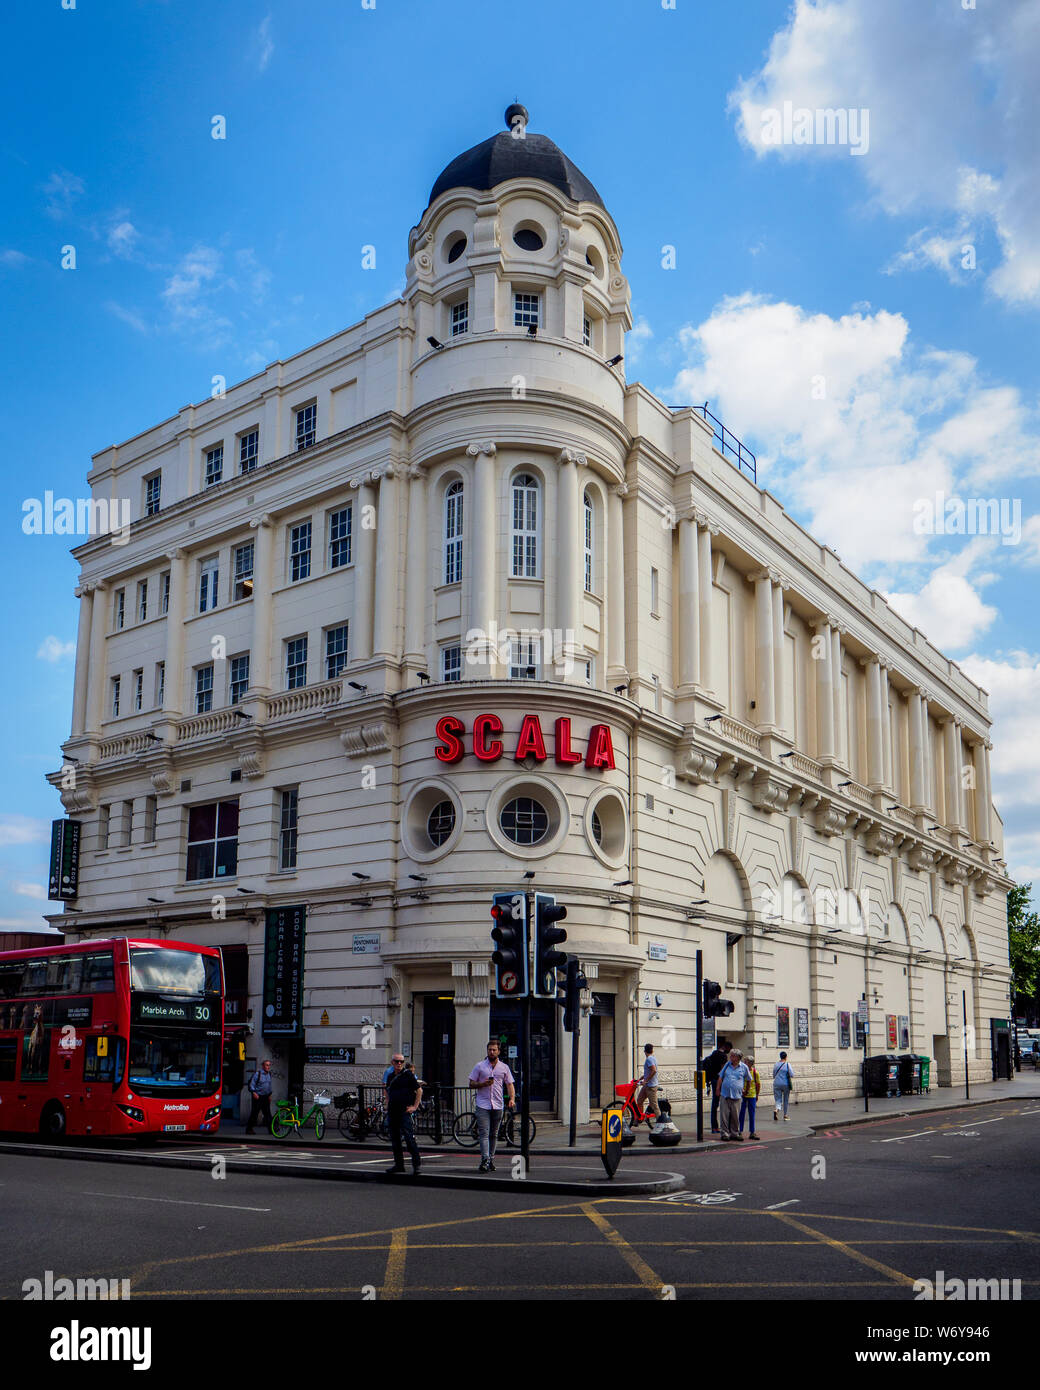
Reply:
x=404 y=1094
x=260 y=1090
x=712 y=1066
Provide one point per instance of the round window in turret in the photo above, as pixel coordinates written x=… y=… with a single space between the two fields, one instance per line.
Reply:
x=524 y=821
x=440 y=822
x=455 y=249
x=528 y=239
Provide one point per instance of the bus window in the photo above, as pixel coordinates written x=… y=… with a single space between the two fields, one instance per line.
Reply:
x=107 y=1068
x=64 y=974
x=11 y=979
x=8 y=1053
x=98 y=973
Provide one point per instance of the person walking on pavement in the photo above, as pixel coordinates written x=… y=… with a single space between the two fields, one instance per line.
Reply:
x=648 y=1091
x=404 y=1094
x=733 y=1079
x=488 y=1078
x=783 y=1081
x=711 y=1067
x=750 y=1100
x=260 y=1085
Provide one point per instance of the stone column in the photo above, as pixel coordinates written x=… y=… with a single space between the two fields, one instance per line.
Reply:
x=263 y=583
x=783 y=717
x=931 y=794
x=388 y=565
x=614 y=551
x=96 y=665
x=415 y=571
x=983 y=826
x=569 y=551
x=953 y=757
x=821 y=644
x=841 y=751
x=482 y=530
x=705 y=531
x=765 y=698
x=888 y=770
x=689 y=617
x=917 y=796
x=364 y=567
x=173 y=703
x=875 y=738
x=85 y=594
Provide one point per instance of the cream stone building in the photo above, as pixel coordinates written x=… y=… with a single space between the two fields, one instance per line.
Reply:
x=303 y=682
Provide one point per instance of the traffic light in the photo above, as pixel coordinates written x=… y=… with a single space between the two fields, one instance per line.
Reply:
x=576 y=982
x=547 y=936
x=510 y=934
x=714 y=1006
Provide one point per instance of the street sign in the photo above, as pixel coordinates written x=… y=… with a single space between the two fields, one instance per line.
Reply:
x=63 y=883
x=862 y=1010
x=610 y=1138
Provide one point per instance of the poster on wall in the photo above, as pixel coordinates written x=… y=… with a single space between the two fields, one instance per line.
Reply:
x=844 y=1029
x=890 y=1019
x=904 y=1033
x=783 y=1026
x=801 y=1023
x=862 y=1027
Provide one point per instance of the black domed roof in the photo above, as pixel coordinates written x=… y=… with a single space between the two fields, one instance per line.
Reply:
x=505 y=157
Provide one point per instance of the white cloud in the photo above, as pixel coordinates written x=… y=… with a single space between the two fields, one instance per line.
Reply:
x=31 y=890
x=948 y=610
x=953 y=105
x=636 y=340
x=189 y=291
x=263 y=44
x=23 y=830
x=14 y=259
x=61 y=190
x=126 y=316
x=53 y=649
x=122 y=238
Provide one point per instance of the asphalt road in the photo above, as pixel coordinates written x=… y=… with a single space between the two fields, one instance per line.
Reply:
x=855 y=1214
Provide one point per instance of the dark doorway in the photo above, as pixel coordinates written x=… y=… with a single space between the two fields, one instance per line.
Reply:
x=1000 y=1046
x=601 y=1050
x=505 y=1025
x=438 y=1039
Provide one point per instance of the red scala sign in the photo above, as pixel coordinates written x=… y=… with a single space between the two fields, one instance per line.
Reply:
x=530 y=741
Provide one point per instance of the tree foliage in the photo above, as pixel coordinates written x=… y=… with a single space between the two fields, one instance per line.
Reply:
x=1023 y=941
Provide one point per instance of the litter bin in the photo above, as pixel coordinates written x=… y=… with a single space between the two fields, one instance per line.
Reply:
x=926 y=1072
x=882 y=1076
x=909 y=1074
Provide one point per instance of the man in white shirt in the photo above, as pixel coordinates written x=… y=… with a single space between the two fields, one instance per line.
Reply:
x=488 y=1078
x=647 y=1094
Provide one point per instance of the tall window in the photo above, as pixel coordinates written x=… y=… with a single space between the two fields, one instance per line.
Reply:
x=287 y=828
x=212 y=840
x=586 y=332
x=590 y=521
x=339 y=537
x=160 y=684
x=655 y=593
x=248 y=451
x=138 y=690
x=460 y=318
x=238 y=683
x=524 y=658
x=116 y=687
x=214 y=465
x=296 y=663
x=150 y=805
x=152 y=494
x=453 y=534
x=126 y=823
x=335 y=652
x=142 y=601
x=244 y=571
x=209 y=582
x=451 y=663
x=306 y=425
x=104 y=826
x=120 y=609
x=525 y=527
x=204 y=689
x=525 y=310
x=164 y=592
x=300 y=551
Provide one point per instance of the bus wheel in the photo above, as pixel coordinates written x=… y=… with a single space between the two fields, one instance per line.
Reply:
x=52 y=1121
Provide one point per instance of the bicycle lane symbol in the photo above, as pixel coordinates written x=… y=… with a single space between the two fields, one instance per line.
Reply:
x=700 y=1199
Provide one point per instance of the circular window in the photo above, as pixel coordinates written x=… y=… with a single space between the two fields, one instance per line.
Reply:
x=606 y=827
x=440 y=823
x=528 y=239
x=432 y=821
x=524 y=821
x=456 y=249
x=594 y=259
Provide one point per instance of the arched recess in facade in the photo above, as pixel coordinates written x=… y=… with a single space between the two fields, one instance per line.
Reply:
x=930 y=1014
x=728 y=892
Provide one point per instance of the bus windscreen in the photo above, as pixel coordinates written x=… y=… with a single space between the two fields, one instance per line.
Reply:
x=163 y=971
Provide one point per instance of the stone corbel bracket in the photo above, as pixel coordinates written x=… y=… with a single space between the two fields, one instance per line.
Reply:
x=361 y=740
x=695 y=764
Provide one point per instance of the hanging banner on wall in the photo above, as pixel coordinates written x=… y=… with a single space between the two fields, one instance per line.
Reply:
x=783 y=1026
x=283 y=972
x=904 y=1032
x=844 y=1029
x=893 y=1036
x=801 y=1028
x=63 y=882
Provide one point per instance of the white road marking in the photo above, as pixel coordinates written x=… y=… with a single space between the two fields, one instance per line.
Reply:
x=791 y=1202
x=990 y=1122
x=900 y=1137
x=174 y=1201
x=1030 y=1112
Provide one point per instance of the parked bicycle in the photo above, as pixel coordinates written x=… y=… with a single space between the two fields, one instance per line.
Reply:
x=464 y=1130
x=355 y=1123
x=287 y=1119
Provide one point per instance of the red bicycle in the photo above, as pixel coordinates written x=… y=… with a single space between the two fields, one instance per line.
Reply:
x=633 y=1112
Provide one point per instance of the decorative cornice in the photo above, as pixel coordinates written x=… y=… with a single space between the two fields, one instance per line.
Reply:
x=362 y=739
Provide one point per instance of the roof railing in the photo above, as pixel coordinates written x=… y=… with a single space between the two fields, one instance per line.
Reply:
x=727 y=443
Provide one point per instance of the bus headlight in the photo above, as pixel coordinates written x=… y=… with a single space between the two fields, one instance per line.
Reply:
x=212 y=1114
x=133 y=1112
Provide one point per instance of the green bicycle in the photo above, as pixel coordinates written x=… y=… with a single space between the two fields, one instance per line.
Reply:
x=287 y=1117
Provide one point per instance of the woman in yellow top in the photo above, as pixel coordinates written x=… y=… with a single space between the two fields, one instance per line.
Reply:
x=747 y=1106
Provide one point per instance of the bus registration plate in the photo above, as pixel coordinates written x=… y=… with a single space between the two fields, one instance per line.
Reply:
x=168 y=1128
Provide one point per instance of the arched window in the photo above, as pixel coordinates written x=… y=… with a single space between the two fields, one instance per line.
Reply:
x=453 y=534
x=525 y=527
x=590 y=522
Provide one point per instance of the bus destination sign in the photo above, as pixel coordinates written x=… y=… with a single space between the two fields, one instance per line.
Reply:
x=153 y=1008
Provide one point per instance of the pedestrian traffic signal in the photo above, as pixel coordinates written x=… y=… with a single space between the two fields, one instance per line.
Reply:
x=576 y=982
x=714 y=1006
x=510 y=934
x=547 y=936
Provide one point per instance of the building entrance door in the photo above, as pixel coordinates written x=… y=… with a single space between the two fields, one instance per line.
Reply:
x=438 y=1040
x=505 y=1025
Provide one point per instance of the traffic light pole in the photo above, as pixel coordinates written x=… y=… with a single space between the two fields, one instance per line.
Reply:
x=700 y=1047
x=525 y=1059
x=573 y=1140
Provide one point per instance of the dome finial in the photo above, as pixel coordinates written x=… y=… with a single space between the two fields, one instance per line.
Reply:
x=516 y=114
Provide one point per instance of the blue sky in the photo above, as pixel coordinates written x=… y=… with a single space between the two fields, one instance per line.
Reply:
x=796 y=265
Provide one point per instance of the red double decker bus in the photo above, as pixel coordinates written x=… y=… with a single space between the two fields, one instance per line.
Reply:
x=115 y=1037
